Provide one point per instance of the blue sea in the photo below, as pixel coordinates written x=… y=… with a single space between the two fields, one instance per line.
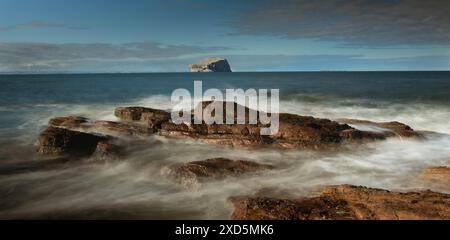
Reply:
x=133 y=188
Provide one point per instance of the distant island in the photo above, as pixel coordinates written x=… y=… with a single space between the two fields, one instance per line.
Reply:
x=212 y=64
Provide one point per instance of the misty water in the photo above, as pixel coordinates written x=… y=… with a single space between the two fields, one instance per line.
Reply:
x=134 y=188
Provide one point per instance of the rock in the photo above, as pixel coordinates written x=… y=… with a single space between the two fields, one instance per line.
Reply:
x=122 y=128
x=107 y=151
x=388 y=129
x=247 y=135
x=294 y=131
x=346 y=202
x=354 y=135
x=71 y=122
x=60 y=141
x=437 y=174
x=305 y=131
x=264 y=208
x=153 y=117
x=213 y=64
x=192 y=173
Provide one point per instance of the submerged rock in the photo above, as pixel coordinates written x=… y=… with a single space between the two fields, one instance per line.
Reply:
x=192 y=173
x=60 y=141
x=388 y=129
x=346 y=202
x=106 y=151
x=213 y=64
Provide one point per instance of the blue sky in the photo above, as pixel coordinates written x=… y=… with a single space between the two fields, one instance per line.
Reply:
x=265 y=35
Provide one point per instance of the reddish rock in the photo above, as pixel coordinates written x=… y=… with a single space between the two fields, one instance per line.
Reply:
x=61 y=141
x=389 y=129
x=346 y=202
x=122 y=128
x=294 y=131
x=354 y=135
x=192 y=173
x=264 y=208
x=437 y=174
x=69 y=122
x=153 y=117
x=302 y=131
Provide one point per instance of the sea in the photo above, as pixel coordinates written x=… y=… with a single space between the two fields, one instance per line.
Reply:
x=133 y=188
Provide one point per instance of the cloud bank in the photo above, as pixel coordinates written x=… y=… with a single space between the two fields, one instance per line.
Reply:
x=350 y=22
x=38 y=24
x=58 y=57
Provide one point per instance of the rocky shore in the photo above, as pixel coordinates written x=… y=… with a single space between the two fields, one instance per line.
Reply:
x=346 y=202
x=75 y=138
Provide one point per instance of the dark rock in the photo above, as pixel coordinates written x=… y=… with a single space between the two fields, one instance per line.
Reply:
x=193 y=173
x=305 y=131
x=61 y=141
x=346 y=202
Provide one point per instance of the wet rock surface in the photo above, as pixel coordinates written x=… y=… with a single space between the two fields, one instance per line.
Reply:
x=439 y=175
x=122 y=128
x=388 y=129
x=295 y=131
x=153 y=117
x=60 y=141
x=192 y=173
x=346 y=202
x=106 y=151
x=69 y=122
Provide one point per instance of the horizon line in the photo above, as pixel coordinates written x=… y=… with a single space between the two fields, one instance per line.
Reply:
x=294 y=71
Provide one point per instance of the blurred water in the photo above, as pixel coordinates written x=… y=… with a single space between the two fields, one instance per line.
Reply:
x=133 y=188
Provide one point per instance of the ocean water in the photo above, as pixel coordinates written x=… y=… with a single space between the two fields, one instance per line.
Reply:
x=133 y=188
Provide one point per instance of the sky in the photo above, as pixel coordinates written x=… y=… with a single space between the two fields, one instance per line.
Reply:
x=53 y=36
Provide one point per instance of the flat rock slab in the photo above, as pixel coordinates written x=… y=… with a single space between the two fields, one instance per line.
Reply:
x=153 y=117
x=192 y=173
x=346 y=202
x=71 y=122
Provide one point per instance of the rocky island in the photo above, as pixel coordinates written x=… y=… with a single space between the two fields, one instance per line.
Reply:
x=212 y=64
